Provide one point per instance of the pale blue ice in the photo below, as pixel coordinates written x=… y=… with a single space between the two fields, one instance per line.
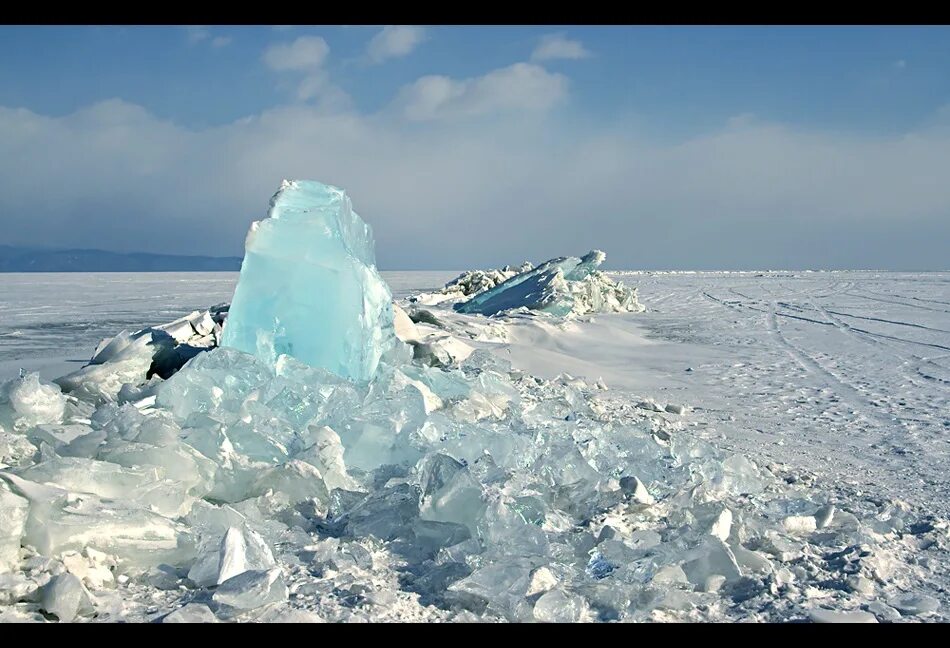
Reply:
x=309 y=287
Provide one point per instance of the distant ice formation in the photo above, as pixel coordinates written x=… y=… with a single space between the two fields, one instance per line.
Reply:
x=474 y=282
x=563 y=287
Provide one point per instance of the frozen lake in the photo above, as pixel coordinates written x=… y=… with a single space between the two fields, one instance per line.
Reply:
x=848 y=372
x=836 y=383
x=844 y=372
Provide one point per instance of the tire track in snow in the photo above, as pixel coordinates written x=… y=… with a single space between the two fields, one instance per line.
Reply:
x=739 y=306
x=898 y=303
x=860 y=401
x=654 y=300
x=723 y=302
x=905 y=340
x=864 y=331
x=838 y=384
x=891 y=428
x=933 y=301
x=877 y=431
x=921 y=401
x=887 y=321
x=933 y=361
x=827 y=410
x=850 y=332
x=773 y=329
x=923 y=299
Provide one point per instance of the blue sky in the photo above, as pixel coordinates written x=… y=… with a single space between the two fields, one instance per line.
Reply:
x=670 y=147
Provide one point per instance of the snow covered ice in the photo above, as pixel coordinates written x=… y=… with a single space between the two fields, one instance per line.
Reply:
x=309 y=286
x=561 y=286
x=421 y=476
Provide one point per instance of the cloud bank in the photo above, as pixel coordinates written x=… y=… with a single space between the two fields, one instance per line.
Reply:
x=197 y=34
x=559 y=46
x=304 y=53
x=522 y=86
x=488 y=170
x=394 y=41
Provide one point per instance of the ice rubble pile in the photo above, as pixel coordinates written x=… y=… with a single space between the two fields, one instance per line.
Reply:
x=565 y=286
x=253 y=485
x=475 y=489
x=473 y=282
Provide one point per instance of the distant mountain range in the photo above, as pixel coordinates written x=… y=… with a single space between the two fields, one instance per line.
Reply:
x=24 y=259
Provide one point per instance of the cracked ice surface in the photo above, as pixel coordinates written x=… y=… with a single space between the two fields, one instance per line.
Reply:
x=309 y=286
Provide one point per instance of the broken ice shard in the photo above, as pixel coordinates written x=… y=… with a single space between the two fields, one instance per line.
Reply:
x=309 y=287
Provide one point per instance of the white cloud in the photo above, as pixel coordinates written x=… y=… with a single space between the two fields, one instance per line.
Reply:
x=312 y=85
x=899 y=64
x=484 y=192
x=304 y=53
x=522 y=86
x=394 y=41
x=305 y=56
x=558 y=46
x=200 y=34
x=196 y=34
x=318 y=89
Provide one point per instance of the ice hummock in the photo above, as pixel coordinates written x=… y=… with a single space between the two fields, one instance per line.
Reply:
x=473 y=282
x=562 y=286
x=309 y=287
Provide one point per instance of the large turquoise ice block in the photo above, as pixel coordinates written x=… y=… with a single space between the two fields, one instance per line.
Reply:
x=309 y=286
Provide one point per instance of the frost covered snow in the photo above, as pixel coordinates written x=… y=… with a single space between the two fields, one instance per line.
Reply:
x=576 y=465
